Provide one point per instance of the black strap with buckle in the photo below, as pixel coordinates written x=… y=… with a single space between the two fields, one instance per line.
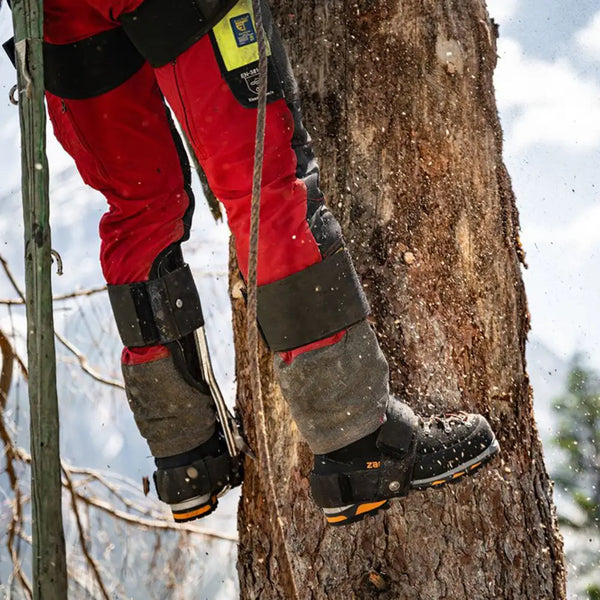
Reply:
x=312 y=304
x=158 y=311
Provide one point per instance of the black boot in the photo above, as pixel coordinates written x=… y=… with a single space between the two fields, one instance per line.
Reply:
x=406 y=452
x=192 y=482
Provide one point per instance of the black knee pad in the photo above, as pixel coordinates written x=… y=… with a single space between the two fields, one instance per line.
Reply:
x=161 y=310
x=311 y=304
x=164 y=310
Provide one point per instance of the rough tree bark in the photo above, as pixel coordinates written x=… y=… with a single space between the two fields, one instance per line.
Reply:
x=398 y=96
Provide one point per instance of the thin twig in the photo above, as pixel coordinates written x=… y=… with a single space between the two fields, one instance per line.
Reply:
x=15 y=530
x=151 y=523
x=8 y=357
x=82 y=540
x=83 y=361
x=60 y=297
x=5 y=343
x=11 y=278
x=93 y=475
x=85 y=365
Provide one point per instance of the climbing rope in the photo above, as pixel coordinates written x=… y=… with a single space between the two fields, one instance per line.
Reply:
x=251 y=311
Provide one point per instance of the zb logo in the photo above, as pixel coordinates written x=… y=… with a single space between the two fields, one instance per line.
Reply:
x=243 y=30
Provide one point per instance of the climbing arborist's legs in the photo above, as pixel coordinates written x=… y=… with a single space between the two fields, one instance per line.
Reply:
x=309 y=295
x=212 y=91
x=369 y=447
x=311 y=306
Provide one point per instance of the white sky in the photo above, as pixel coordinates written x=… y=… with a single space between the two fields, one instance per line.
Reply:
x=588 y=38
x=549 y=101
x=502 y=10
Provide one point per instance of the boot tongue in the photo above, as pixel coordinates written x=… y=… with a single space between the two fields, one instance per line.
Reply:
x=396 y=435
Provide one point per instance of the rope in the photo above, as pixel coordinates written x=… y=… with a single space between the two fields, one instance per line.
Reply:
x=251 y=313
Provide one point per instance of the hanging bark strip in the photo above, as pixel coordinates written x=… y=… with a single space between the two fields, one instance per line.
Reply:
x=49 y=562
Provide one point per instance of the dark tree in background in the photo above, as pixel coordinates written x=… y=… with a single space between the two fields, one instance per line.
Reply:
x=398 y=96
x=578 y=474
x=578 y=435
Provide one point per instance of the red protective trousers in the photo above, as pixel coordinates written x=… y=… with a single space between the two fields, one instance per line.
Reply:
x=123 y=146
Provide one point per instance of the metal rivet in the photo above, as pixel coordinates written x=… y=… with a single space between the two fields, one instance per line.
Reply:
x=394 y=486
x=13 y=95
x=179 y=303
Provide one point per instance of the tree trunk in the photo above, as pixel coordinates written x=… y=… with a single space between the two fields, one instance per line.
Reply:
x=398 y=96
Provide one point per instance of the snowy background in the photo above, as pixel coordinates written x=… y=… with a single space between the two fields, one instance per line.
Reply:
x=548 y=92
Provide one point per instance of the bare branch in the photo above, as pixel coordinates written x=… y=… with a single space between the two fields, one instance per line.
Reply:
x=83 y=362
x=152 y=523
x=82 y=540
x=85 y=365
x=59 y=298
x=15 y=529
x=8 y=358
x=92 y=475
x=11 y=278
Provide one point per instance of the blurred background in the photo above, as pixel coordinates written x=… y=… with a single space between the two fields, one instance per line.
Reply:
x=548 y=92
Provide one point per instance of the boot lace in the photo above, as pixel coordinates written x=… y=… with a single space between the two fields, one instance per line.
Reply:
x=445 y=422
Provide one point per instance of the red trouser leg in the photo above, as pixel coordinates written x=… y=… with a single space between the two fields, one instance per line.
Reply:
x=122 y=144
x=123 y=147
x=222 y=133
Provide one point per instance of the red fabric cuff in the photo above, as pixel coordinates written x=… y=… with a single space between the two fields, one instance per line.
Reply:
x=289 y=356
x=138 y=356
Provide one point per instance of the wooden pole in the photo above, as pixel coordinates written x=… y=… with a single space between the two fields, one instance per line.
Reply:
x=49 y=562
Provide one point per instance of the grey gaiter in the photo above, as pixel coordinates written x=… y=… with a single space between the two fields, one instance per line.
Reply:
x=337 y=394
x=171 y=414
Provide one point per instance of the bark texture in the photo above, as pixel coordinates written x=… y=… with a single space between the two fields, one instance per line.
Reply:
x=49 y=565
x=398 y=96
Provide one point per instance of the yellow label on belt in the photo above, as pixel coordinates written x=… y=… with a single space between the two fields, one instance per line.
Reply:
x=236 y=36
